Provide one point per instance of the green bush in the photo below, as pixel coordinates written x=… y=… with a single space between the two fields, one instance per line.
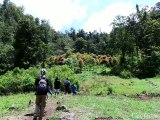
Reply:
x=125 y=74
x=149 y=66
x=20 y=80
x=110 y=90
x=62 y=72
x=116 y=70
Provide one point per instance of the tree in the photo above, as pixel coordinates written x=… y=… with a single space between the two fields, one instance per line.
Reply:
x=81 y=33
x=5 y=3
x=158 y=5
x=122 y=37
x=63 y=43
x=80 y=45
x=9 y=18
x=28 y=44
x=72 y=34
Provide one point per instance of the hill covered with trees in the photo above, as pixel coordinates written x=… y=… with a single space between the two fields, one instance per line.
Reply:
x=133 y=43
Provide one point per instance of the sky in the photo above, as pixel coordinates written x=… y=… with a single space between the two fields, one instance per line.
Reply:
x=89 y=15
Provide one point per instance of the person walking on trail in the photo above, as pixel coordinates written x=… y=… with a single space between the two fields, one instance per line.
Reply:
x=74 y=89
x=42 y=85
x=67 y=86
x=57 y=84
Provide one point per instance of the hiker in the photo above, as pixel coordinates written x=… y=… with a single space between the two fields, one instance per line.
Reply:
x=74 y=89
x=57 y=84
x=42 y=85
x=67 y=86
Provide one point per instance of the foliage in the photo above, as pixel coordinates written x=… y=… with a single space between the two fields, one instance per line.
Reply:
x=116 y=70
x=20 y=80
x=26 y=42
x=95 y=93
x=6 y=57
x=125 y=74
x=82 y=60
x=149 y=65
x=62 y=72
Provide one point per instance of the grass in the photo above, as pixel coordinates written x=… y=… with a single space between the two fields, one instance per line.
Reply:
x=20 y=101
x=93 y=100
x=118 y=107
x=90 y=107
x=99 y=85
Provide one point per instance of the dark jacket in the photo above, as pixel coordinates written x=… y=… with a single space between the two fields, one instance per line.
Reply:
x=57 y=84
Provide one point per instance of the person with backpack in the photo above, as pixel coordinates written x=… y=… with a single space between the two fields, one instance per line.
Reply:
x=42 y=86
x=57 y=84
x=74 y=89
x=67 y=86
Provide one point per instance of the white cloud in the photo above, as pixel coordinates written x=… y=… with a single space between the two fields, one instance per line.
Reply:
x=59 y=13
x=101 y=21
x=95 y=2
x=63 y=14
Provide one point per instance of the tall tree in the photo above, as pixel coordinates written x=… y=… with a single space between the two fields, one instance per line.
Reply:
x=80 y=45
x=28 y=44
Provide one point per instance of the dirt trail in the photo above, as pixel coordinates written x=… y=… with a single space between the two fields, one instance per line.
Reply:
x=50 y=108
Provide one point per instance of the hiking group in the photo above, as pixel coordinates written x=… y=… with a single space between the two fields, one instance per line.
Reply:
x=43 y=86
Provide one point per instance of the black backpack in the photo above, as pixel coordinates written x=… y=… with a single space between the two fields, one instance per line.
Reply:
x=42 y=87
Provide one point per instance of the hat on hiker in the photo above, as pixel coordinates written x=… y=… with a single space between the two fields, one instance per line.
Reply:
x=43 y=71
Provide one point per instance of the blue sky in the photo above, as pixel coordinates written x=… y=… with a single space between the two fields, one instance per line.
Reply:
x=89 y=15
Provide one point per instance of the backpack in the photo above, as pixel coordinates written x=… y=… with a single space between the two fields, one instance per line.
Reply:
x=42 y=86
x=67 y=83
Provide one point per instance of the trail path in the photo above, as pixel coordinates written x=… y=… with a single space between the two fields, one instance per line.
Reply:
x=50 y=108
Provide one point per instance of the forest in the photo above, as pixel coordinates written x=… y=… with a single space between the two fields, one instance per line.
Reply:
x=132 y=47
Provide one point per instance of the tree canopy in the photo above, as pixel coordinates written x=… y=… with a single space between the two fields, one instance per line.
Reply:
x=27 y=41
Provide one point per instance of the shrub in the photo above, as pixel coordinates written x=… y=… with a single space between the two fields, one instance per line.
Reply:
x=125 y=74
x=116 y=70
x=149 y=66
x=20 y=80
x=110 y=90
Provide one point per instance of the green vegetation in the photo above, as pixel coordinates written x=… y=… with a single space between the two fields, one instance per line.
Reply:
x=104 y=85
x=118 y=107
x=99 y=95
x=131 y=49
x=89 y=107
x=15 y=104
x=20 y=80
x=117 y=74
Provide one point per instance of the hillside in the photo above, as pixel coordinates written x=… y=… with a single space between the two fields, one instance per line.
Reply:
x=99 y=98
